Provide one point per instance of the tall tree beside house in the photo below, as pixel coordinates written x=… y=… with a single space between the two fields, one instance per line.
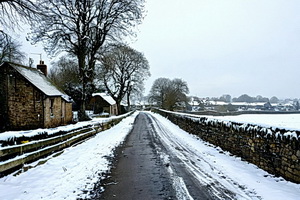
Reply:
x=65 y=74
x=169 y=94
x=122 y=72
x=81 y=27
x=10 y=50
x=64 y=71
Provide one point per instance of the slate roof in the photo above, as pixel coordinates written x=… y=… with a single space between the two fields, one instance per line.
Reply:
x=106 y=97
x=39 y=80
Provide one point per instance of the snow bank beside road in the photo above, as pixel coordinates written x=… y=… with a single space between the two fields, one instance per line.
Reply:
x=71 y=173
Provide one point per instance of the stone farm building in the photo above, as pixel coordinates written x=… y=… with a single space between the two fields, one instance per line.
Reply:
x=103 y=103
x=29 y=100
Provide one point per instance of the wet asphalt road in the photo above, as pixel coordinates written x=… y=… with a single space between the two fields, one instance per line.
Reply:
x=147 y=168
x=139 y=172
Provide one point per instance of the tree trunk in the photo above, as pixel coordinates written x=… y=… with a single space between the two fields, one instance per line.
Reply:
x=82 y=116
x=119 y=108
x=128 y=101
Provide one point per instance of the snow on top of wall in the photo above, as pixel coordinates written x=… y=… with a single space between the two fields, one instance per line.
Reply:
x=262 y=130
x=106 y=97
x=38 y=79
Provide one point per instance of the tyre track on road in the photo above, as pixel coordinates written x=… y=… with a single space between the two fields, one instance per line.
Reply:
x=188 y=163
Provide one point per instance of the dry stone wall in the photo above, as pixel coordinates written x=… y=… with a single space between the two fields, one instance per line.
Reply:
x=272 y=149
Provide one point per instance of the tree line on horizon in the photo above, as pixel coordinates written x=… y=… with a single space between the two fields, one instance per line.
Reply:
x=244 y=98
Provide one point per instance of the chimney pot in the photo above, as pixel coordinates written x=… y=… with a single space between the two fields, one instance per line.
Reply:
x=42 y=67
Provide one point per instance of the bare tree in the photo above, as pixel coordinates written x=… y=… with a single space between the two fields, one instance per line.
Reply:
x=14 y=11
x=65 y=74
x=10 y=50
x=123 y=72
x=159 y=91
x=64 y=71
x=169 y=94
x=81 y=27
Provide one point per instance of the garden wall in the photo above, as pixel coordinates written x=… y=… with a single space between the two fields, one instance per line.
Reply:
x=272 y=149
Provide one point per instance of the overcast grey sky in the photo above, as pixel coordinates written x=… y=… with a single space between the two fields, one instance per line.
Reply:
x=224 y=46
x=221 y=46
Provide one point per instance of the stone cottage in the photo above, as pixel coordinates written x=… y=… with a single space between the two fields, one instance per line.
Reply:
x=103 y=103
x=29 y=100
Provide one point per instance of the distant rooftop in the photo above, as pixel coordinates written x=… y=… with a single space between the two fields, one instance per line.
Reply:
x=106 y=97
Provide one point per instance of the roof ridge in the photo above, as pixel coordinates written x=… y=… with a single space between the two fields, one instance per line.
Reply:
x=39 y=80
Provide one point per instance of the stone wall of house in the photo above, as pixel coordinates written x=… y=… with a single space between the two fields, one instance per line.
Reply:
x=272 y=149
x=23 y=106
x=69 y=113
x=53 y=112
x=3 y=96
x=25 y=103
x=98 y=105
x=57 y=112
x=114 y=109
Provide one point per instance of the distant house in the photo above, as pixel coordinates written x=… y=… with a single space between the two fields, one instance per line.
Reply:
x=268 y=106
x=103 y=103
x=29 y=100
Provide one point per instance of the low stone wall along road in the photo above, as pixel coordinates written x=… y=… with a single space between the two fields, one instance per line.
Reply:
x=153 y=164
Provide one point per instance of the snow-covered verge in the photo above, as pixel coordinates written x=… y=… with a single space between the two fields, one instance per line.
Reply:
x=230 y=170
x=71 y=174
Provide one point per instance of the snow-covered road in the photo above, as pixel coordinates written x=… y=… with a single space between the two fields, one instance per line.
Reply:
x=190 y=170
x=191 y=163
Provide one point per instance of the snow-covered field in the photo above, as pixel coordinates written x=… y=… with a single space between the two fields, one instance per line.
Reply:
x=287 y=121
x=78 y=168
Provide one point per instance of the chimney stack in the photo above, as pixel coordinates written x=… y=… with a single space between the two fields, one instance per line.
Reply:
x=42 y=67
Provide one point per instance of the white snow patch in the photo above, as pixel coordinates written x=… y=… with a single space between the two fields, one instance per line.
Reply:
x=179 y=186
